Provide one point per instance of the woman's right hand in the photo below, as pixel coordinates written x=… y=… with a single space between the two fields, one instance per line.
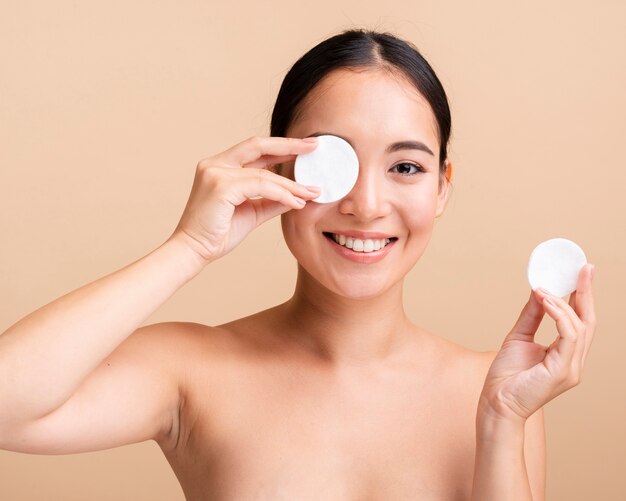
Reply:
x=222 y=208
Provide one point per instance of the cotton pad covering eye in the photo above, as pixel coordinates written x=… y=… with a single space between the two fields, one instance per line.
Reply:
x=554 y=265
x=332 y=166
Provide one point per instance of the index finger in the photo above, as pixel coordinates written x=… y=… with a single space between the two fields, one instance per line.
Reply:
x=255 y=147
x=581 y=300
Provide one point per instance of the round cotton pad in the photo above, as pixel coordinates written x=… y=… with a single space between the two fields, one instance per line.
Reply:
x=332 y=166
x=554 y=265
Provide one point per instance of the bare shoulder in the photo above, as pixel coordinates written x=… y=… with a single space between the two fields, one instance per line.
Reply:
x=191 y=348
x=169 y=340
x=465 y=359
x=177 y=337
x=177 y=349
x=462 y=370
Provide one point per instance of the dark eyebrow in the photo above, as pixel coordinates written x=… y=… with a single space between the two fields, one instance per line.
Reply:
x=401 y=145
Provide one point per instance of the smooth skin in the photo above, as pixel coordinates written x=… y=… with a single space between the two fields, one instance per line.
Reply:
x=333 y=394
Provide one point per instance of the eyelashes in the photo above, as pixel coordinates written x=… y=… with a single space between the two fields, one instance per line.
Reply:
x=418 y=168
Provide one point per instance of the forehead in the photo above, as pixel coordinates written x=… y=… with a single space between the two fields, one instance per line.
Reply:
x=368 y=104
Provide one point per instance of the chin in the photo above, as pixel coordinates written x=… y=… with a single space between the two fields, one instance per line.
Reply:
x=354 y=292
x=357 y=287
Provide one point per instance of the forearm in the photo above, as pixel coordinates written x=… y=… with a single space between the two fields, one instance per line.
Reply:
x=46 y=355
x=500 y=469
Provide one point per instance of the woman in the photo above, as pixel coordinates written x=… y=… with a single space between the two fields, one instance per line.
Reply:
x=333 y=394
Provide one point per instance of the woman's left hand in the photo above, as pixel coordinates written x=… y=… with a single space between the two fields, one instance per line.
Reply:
x=525 y=375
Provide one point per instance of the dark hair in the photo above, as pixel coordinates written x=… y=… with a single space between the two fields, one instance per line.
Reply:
x=360 y=48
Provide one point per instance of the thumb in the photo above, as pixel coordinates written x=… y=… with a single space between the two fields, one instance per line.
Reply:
x=528 y=321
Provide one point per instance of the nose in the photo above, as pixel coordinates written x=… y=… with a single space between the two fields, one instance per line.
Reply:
x=368 y=199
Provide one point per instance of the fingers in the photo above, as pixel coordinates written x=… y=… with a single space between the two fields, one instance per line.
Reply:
x=251 y=183
x=569 y=334
x=582 y=302
x=565 y=359
x=582 y=299
x=252 y=149
x=257 y=153
x=264 y=176
x=267 y=209
x=273 y=187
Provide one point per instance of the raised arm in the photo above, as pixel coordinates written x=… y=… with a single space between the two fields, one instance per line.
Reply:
x=72 y=378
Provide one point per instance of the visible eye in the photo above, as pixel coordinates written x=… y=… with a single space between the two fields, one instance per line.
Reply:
x=406 y=168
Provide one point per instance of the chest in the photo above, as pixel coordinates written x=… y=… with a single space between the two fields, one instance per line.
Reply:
x=279 y=434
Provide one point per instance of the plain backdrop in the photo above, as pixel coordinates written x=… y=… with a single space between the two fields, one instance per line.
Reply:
x=106 y=108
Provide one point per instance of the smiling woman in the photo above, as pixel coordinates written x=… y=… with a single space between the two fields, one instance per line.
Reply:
x=335 y=393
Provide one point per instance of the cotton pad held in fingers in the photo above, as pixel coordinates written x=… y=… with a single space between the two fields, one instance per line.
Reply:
x=554 y=265
x=332 y=166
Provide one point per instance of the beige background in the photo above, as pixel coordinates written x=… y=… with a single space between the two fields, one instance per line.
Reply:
x=106 y=107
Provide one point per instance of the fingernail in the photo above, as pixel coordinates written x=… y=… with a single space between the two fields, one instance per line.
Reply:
x=313 y=188
x=544 y=291
x=310 y=140
x=300 y=201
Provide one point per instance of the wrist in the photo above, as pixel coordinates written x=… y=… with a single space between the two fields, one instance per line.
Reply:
x=192 y=262
x=493 y=425
x=499 y=464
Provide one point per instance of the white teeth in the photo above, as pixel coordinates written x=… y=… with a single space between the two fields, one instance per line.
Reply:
x=359 y=245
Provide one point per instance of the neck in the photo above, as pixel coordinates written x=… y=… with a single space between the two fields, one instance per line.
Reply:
x=346 y=331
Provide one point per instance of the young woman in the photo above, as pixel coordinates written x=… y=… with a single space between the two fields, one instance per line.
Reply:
x=334 y=394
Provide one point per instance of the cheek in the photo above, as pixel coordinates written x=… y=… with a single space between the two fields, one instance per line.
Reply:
x=299 y=224
x=418 y=210
x=289 y=224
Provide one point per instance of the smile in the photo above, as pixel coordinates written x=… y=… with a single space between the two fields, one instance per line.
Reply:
x=360 y=245
x=363 y=251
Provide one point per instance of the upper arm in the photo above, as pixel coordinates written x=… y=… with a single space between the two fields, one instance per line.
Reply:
x=535 y=454
x=132 y=396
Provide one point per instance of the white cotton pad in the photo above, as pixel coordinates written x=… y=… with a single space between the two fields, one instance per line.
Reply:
x=554 y=265
x=332 y=166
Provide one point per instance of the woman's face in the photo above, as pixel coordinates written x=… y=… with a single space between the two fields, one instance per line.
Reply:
x=371 y=110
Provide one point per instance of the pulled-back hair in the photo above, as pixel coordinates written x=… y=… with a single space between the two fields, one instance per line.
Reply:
x=361 y=49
